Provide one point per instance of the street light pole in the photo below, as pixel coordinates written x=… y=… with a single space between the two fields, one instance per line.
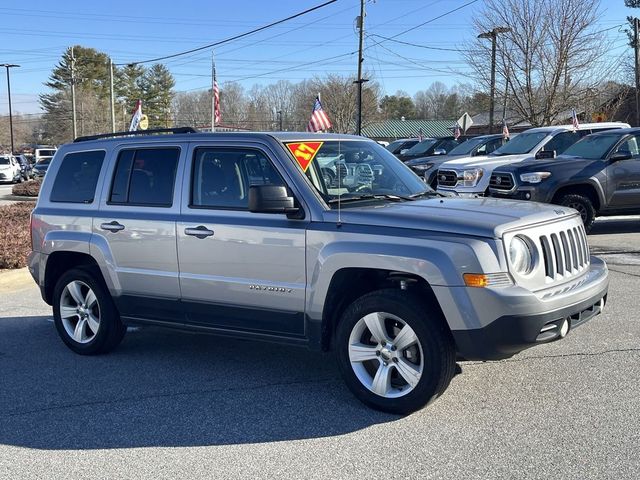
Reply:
x=8 y=66
x=360 y=80
x=492 y=35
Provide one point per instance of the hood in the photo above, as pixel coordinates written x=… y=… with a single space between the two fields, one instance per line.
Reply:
x=564 y=163
x=489 y=161
x=481 y=217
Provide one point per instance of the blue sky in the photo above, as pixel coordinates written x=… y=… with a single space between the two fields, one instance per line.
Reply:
x=35 y=33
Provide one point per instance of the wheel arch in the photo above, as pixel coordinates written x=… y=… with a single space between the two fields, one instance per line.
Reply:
x=588 y=189
x=62 y=261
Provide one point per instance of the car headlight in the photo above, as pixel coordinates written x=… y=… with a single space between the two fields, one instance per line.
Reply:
x=534 y=177
x=520 y=255
x=422 y=168
x=470 y=178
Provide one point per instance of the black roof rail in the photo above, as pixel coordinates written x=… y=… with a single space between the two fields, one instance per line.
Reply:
x=136 y=132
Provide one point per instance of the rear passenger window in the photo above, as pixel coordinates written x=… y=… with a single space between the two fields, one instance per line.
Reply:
x=145 y=177
x=221 y=177
x=561 y=142
x=77 y=177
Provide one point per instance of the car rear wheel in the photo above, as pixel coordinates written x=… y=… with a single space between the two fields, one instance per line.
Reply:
x=583 y=205
x=394 y=351
x=84 y=313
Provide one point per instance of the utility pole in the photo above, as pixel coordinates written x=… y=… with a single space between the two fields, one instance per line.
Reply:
x=636 y=46
x=73 y=94
x=8 y=66
x=113 y=111
x=492 y=35
x=360 y=80
x=279 y=112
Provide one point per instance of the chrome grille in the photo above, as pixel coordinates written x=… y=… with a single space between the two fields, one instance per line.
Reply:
x=447 y=178
x=565 y=253
x=501 y=181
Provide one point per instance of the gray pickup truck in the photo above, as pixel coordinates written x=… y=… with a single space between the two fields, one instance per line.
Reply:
x=237 y=234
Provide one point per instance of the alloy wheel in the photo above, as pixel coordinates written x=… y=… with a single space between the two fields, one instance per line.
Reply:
x=79 y=311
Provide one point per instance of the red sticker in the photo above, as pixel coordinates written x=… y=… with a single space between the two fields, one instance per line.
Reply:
x=304 y=152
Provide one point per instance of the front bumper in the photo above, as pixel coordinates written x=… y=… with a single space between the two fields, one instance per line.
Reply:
x=493 y=324
x=521 y=193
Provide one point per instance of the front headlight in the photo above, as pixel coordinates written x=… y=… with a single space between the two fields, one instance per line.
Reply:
x=422 y=168
x=470 y=178
x=534 y=177
x=520 y=255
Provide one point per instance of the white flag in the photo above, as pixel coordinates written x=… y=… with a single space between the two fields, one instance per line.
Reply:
x=137 y=116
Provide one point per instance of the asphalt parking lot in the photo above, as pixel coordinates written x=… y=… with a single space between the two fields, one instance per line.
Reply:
x=176 y=405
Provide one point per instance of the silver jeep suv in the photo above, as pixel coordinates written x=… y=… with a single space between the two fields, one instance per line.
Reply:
x=239 y=234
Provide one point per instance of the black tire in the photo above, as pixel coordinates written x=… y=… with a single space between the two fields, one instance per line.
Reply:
x=434 y=337
x=111 y=330
x=583 y=205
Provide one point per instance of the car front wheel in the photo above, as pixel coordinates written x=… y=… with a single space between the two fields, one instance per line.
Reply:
x=394 y=351
x=583 y=205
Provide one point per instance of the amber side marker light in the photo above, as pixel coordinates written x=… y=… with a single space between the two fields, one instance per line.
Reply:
x=482 y=280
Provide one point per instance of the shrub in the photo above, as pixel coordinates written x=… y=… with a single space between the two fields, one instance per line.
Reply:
x=15 y=243
x=27 y=189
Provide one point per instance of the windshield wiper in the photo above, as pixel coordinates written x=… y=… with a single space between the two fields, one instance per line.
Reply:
x=368 y=197
x=426 y=193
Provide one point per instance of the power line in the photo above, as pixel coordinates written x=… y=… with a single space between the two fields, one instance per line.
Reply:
x=235 y=37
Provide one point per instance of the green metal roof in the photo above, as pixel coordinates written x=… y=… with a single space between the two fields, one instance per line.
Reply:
x=408 y=128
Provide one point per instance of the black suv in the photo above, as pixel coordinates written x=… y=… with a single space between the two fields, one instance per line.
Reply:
x=599 y=175
x=431 y=146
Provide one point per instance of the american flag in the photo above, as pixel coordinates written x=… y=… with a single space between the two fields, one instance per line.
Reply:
x=319 y=120
x=137 y=116
x=456 y=131
x=216 y=97
x=505 y=129
x=420 y=135
x=574 y=119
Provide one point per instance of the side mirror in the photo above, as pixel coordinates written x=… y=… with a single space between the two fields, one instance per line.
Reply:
x=618 y=156
x=272 y=199
x=543 y=154
x=439 y=151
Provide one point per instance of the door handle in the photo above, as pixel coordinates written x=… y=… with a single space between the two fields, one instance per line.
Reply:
x=199 y=232
x=112 y=226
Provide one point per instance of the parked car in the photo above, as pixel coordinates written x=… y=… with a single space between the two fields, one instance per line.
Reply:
x=43 y=153
x=599 y=175
x=482 y=145
x=430 y=147
x=172 y=230
x=40 y=168
x=26 y=169
x=397 y=146
x=9 y=169
x=470 y=175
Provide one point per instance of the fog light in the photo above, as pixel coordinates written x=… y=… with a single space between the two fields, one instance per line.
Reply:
x=564 y=328
x=527 y=195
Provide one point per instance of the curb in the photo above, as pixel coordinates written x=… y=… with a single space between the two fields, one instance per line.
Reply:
x=19 y=198
x=17 y=279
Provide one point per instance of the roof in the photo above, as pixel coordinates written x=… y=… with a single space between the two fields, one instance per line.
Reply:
x=408 y=128
x=618 y=131
x=554 y=128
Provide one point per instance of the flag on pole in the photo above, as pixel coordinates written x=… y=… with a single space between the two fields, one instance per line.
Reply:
x=505 y=129
x=574 y=120
x=319 y=120
x=137 y=116
x=456 y=131
x=420 y=135
x=215 y=96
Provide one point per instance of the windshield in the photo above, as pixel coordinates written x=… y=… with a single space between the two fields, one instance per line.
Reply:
x=46 y=153
x=465 y=147
x=4 y=161
x=394 y=145
x=523 y=143
x=592 y=147
x=361 y=169
x=44 y=162
x=422 y=147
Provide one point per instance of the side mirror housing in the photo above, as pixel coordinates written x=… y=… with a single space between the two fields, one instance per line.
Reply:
x=439 y=151
x=543 y=154
x=619 y=156
x=272 y=199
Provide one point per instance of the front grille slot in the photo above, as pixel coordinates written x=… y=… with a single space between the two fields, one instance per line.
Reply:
x=565 y=253
x=447 y=178
x=501 y=181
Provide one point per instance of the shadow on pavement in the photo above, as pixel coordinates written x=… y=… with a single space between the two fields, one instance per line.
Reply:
x=167 y=388
x=605 y=226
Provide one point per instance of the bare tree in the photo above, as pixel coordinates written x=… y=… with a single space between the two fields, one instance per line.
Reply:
x=192 y=109
x=550 y=56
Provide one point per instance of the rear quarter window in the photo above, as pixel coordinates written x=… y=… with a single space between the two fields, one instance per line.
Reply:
x=77 y=177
